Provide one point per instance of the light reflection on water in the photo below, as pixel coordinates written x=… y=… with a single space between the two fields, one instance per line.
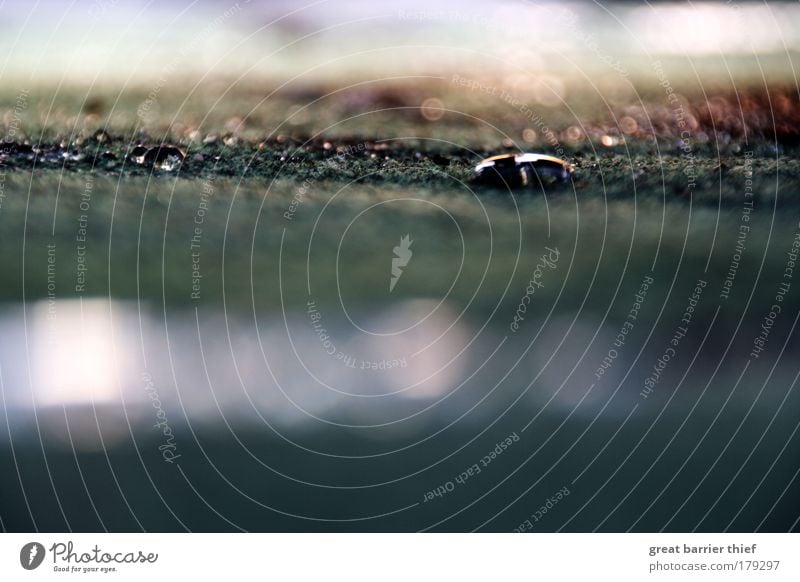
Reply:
x=75 y=356
x=96 y=368
x=99 y=389
x=107 y=363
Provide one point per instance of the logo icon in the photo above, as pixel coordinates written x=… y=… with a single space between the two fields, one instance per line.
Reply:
x=31 y=555
x=402 y=256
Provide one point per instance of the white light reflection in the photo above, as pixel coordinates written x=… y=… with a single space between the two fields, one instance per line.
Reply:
x=72 y=354
x=82 y=370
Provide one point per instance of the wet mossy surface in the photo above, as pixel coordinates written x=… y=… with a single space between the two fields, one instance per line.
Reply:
x=638 y=170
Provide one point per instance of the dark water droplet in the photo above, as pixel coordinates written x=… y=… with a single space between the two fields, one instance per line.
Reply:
x=522 y=170
x=167 y=158
x=137 y=154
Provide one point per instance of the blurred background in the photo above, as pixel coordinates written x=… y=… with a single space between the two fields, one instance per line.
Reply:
x=126 y=40
x=237 y=337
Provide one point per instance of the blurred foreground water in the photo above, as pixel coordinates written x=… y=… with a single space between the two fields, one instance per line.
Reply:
x=123 y=416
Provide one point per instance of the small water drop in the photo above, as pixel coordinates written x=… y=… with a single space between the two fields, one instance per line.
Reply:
x=137 y=154
x=165 y=157
x=522 y=170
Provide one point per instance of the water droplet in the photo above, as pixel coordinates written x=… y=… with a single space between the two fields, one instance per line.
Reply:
x=164 y=157
x=169 y=164
x=521 y=170
x=137 y=154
